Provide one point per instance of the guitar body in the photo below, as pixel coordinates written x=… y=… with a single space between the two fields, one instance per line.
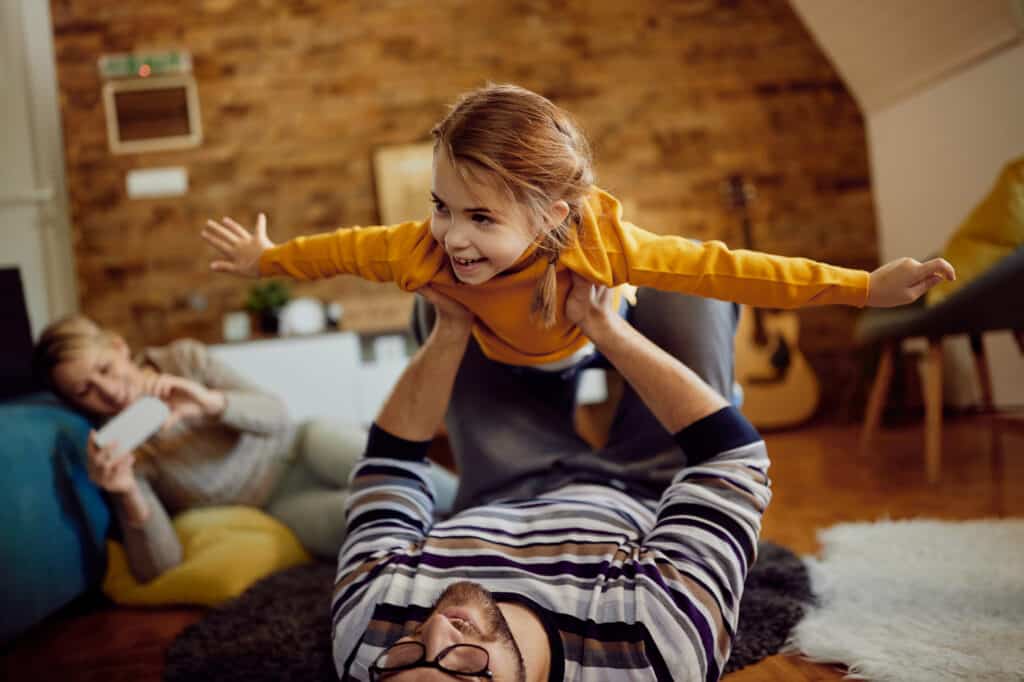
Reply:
x=780 y=389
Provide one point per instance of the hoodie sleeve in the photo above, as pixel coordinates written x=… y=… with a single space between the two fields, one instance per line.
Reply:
x=397 y=253
x=712 y=270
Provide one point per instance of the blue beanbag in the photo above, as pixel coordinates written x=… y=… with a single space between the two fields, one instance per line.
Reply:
x=53 y=519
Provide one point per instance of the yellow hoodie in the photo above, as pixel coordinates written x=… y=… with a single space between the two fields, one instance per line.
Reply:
x=607 y=251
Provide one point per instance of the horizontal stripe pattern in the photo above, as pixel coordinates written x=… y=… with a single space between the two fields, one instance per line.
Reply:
x=634 y=589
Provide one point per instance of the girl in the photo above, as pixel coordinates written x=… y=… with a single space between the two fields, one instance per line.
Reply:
x=516 y=214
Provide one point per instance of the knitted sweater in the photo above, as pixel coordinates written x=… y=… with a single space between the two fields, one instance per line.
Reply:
x=236 y=458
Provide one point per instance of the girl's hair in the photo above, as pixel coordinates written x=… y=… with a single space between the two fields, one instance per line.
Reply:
x=537 y=154
x=62 y=340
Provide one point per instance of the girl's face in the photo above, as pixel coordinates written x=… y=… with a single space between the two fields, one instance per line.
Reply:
x=482 y=231
x=100 y=379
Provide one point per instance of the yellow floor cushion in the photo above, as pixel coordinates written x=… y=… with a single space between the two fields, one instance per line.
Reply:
x=993 y=230
x=225 y=550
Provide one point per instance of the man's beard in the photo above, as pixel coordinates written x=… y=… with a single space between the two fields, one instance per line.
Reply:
x=468 y=594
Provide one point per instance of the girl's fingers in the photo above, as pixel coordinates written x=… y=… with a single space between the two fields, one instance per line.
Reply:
x=223 y=266
x=261 y=227
x=226 y=248
x=239 y=231
x=939 y=267
x=220 y=233
x=228 y=235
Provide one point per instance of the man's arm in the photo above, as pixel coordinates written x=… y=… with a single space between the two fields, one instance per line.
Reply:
x=708 y=520
x=390 y=502
x=670 y=389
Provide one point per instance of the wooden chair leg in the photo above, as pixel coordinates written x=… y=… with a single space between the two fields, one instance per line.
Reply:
x=876 y=400
x=997 y=466
x=984 y=375
x=933 y=410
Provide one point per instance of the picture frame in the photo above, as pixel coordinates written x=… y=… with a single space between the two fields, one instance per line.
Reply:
x=152 y=114
x=403 y=176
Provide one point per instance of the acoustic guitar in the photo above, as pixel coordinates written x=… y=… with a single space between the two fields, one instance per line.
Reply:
x=780 y=389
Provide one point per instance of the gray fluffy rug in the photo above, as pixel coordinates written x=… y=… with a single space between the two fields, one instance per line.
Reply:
x=279 y=630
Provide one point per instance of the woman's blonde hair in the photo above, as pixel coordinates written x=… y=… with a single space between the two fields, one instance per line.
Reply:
x=64 y=339
x=537 y=154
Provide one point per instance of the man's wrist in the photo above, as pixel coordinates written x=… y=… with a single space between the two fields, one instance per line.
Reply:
x=449 y=331
x=602 y=327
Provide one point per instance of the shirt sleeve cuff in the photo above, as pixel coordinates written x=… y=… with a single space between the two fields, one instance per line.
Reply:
x=721 y=431
x=382 y=444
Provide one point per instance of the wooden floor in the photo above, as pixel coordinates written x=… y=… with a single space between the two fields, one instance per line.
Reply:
x=818 y=479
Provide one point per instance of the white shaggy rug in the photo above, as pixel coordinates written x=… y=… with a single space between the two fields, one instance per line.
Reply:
x=918 y=600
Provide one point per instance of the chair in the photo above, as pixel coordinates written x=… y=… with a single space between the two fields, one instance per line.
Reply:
x=992 y=302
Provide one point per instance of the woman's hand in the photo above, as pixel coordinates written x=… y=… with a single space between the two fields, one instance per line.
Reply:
x=450 y=313
x=109 y=467
x=241 y=249
x=904 y=280
x=187 y=399
x=588 y=304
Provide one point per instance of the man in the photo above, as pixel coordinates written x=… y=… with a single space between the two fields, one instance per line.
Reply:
x=584 y=581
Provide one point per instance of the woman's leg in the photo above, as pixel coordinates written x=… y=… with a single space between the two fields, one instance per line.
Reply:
x=331 y=448
x=313 y=509
x=310 y=499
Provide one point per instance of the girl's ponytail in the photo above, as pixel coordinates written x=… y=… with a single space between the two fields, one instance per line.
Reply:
x=543 y=308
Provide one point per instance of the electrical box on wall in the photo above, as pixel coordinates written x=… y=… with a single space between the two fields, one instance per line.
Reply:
x=150 y=101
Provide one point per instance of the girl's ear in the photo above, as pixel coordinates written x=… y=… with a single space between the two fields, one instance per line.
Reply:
x=557 y=213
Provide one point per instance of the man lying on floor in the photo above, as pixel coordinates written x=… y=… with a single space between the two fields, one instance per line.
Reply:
x=585 y=582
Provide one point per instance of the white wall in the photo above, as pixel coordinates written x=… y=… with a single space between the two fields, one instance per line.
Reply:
x=934 y=155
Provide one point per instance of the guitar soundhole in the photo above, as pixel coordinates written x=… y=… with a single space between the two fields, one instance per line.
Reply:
x=780 y=360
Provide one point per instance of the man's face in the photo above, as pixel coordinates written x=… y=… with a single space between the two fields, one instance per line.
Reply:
x=465 y=613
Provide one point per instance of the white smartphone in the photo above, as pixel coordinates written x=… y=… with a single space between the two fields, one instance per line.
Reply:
x=134 y=425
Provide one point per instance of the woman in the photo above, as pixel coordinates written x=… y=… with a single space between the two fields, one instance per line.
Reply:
x=226 y=442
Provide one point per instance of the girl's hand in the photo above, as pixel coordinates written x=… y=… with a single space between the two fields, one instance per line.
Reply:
x=240 y=248
x=109 y=467
x=587 y=304
x=449 y=312
x=904 y=280
x=186 y=398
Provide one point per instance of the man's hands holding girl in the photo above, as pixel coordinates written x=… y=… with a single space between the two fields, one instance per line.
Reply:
x=589 y=307
x=241 y=249
x=452 y=317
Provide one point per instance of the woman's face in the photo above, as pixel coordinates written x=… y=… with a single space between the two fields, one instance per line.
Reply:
x=482 y=231
x=100 y=379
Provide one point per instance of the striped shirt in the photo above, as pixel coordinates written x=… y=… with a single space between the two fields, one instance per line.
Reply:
x=627 y=589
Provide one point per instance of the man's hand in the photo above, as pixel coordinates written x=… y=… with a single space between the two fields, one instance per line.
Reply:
x=904 y=280
x=588 y=304
x=451 y=314
x=240 y=248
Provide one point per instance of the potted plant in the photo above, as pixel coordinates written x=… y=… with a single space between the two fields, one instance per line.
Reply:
x=265 y=301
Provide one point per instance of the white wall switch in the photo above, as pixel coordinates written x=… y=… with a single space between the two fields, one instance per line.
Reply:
x=157 y=182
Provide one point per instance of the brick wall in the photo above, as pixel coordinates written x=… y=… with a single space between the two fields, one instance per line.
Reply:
x=296 y=94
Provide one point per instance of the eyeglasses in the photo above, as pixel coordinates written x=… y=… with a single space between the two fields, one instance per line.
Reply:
x=468 y=660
